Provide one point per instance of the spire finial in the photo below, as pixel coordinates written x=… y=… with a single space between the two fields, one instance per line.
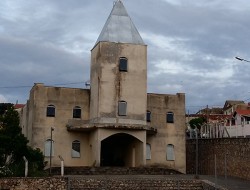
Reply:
x=116 y=2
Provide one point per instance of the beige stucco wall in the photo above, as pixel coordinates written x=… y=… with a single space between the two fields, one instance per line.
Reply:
x=109 y=85
x=167 y=133
x=65 y=99
x=39 y=125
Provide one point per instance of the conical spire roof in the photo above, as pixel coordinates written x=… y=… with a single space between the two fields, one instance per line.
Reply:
x=119 y=27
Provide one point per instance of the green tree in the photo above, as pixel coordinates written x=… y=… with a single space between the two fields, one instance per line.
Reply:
x=13 y=144
x=197 y=122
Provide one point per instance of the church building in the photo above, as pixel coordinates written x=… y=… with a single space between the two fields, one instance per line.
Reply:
x=115 y=122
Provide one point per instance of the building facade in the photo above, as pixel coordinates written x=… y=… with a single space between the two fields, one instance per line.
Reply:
x=115 y=122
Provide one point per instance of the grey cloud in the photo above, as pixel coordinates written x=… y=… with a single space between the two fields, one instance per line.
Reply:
x=50 y=41
x=24 y=63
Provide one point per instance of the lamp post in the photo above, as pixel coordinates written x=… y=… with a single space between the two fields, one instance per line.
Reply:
x=50 y=153
x=241 y=59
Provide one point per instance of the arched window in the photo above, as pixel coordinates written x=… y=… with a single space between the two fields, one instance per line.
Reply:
x=75 y=152
x=49 y=148
x=148 y=116
x=170 y=117
x=77 y=112
x=170 y=152
x=123 y=64
x=148 y=151
x=122 y=108
x=51 y=111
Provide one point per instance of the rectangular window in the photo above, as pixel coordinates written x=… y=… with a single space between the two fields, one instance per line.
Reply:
x=77 y=112
x=122 y=108
x=51 y=111
x=148 y=116
x=170 y=152
x=123 y=64
x=75 y=153
x=170 y=117
x=47 y=146
x=148 y=151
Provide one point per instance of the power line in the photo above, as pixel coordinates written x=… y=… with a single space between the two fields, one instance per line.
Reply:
x=29 y=86
x=15 y=86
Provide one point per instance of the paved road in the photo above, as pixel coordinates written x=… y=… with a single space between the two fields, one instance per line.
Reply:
x=231 y=183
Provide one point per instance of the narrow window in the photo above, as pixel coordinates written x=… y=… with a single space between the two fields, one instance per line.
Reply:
x=122 y=108
x=170 y=117
x=148 y=116
x=123 y=64
x=49 y=145
x=75 y=152
x=170 y=152
x=148 y=151
x=77 y=112
x=51 y=110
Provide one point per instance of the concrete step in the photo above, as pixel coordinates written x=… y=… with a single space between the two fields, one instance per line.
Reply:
x=114 y=171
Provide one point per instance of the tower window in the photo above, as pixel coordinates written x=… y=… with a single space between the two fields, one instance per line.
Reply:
x=170 y=117
x=123 y=64
x=122 y=108
x=148 y=116
x=77 y=112
x=51 y=110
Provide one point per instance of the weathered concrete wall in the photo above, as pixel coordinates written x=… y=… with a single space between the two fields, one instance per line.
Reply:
x=232 y=152
x=109 y=85
x=167 y=133
x=39 y=125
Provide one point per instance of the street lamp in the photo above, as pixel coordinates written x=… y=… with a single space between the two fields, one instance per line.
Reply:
x=241 y=59
x=50 y=153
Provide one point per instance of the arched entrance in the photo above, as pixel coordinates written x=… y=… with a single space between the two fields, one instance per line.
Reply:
x=121 y=150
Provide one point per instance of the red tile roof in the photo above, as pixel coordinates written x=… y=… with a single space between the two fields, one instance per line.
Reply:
x=243 y=112
x=17 y=106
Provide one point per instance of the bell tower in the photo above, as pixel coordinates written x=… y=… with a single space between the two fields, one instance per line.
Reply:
x=119 y=72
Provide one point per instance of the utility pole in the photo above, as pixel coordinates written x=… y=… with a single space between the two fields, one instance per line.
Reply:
x=196 y=154
x=50 y=153
x=207 y=118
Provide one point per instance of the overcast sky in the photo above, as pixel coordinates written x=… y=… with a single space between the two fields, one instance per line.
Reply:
x=191 y=46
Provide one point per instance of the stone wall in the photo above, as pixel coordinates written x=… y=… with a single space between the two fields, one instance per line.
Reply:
x=50 y=183
x=112 y=183
x=232 y=156
x=104 y=182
